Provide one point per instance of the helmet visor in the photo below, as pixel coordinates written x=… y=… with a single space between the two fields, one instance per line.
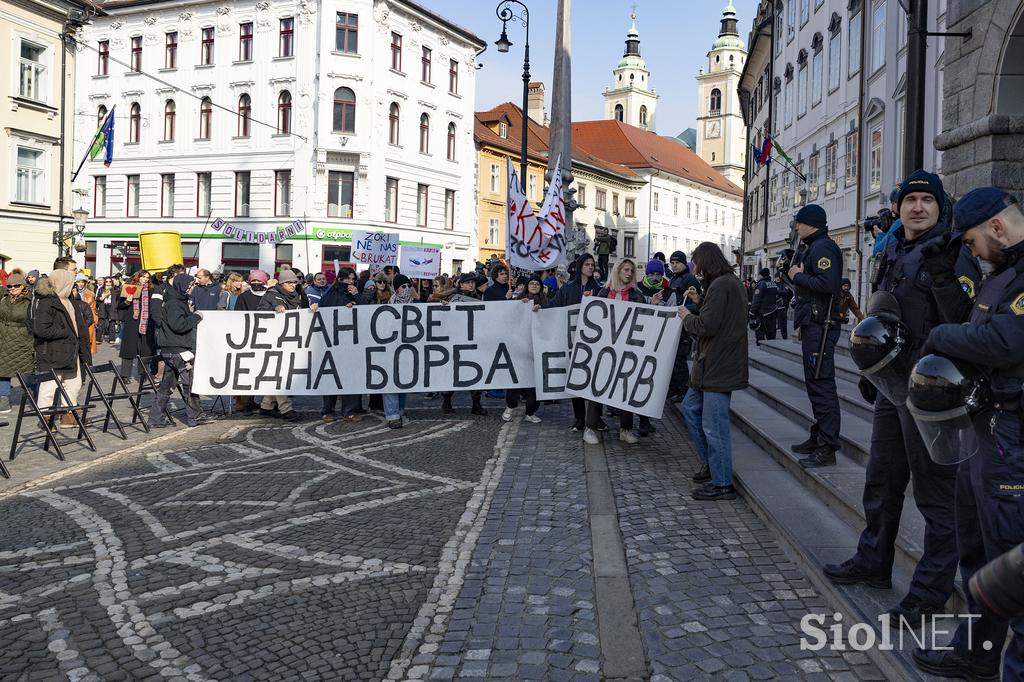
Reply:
x=891 y=376
x=949 y=436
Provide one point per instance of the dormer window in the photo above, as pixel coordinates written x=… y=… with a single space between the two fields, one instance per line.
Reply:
x=503 y=130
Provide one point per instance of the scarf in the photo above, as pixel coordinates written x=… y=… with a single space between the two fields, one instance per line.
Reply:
x=140 y=310
x=622 y=293
x=407 y=297
x=63 y=282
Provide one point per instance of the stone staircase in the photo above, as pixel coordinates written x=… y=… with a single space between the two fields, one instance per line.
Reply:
x=818 y=512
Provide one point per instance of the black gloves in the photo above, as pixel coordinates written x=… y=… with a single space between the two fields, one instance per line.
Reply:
x=867 y=390
x=940 y=259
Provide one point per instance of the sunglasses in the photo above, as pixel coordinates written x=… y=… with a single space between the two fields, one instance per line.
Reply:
x=405 y=286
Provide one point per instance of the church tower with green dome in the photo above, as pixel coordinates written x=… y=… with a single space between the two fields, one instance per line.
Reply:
x=721 y=137
x=631 y=99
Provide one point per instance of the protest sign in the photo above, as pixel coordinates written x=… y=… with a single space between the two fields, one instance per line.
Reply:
x=376 y=249
x=421 y=262
x=554 y=330
x=535 y=241
x=371 y=349
x=623 y=354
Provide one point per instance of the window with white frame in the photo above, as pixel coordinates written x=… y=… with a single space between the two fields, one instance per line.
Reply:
x=32 y=72
x=852 y=150
x=817 y=70
x=835 y=54
x=132 y=207
x=831 y=167
x=340 y=193
x=601 y=200
x=242 y=187
x=785 y=191
x=780 y=23
x=799 y=187
x=282 y=192
x=532 y=188
x=773 y=194
x=99 y=196
x=30 y=175
x=422 y=204
x=657 y=199
x=878 y=36
x=875 y=160
x=581 y=195
x=801 y=86
x=204 y=185
x=853 y=47
x=787 y=96
x=495 y=178
x=791 y=21
x=493 y=230
x=449 y=209
x=630 y=208
x=675 y=205
x=391 y=200
x=805 y=13
x=812 y=177
x=167 y=195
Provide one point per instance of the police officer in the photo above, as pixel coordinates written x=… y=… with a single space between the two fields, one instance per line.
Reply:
x=782 y=312
x=898 y=454
x=816 y=277
x=763 y=307
x=990 y=485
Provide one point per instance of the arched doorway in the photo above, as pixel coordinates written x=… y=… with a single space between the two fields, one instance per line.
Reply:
x=1010 y=78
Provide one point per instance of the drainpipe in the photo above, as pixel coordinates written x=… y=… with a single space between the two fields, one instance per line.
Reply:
x=861 y=265
x=63 y=126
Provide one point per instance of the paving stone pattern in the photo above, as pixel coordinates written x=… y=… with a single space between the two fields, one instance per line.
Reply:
x=716 y=596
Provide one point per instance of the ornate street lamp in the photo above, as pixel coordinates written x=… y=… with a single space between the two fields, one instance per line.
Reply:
x=506 y=12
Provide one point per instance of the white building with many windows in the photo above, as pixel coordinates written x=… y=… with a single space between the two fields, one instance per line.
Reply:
x=351 y=114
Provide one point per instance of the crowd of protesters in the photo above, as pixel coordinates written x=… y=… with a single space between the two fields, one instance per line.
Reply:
x=56 y=321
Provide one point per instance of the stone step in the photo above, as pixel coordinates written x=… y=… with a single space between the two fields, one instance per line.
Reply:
x=792 y=372
x=792 y=402
x=840 y=487
x=845 y=369
x=813 y=534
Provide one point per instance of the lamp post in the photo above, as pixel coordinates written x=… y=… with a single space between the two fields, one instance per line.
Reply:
x=505 y=12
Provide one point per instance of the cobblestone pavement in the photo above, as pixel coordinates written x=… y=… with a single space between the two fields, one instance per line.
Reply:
x=455 y=547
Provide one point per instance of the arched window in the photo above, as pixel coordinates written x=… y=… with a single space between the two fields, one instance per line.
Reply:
x=344 y=111
x=643 y=116
x=618 y=112
x=451 y=141
x=424 y=134
x=134 y=123
x=244 y=115
x=716 y=102
x=205 y=118
x=169 y=121
x=284 y=113
x=393 y=123
x=101 y=114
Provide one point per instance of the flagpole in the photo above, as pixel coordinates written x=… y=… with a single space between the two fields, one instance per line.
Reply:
x=88 y=147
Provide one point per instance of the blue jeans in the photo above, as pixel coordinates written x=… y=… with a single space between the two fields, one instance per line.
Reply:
x=394 y=405
x=707 y=419
x=5 y=387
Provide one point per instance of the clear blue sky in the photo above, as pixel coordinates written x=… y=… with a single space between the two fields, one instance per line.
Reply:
x=675 y=36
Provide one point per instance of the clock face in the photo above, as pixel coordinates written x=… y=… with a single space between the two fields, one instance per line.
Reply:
x=714 y=129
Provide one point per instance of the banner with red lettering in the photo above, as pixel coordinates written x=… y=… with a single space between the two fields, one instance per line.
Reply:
x=535 y=241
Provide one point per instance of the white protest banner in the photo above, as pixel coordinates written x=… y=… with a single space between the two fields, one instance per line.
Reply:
x=364 y=349
x=535 y=241
x=554 y=330
x=623 y=354
x=377 y=249
x=421 y=262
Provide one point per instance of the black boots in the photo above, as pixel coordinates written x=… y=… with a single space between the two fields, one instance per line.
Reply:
x=478 y=409
x=849 y=573
x=807 y=447
x=823 y=456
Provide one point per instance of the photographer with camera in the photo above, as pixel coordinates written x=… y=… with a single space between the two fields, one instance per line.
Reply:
x=990 y=484
x=882 y=226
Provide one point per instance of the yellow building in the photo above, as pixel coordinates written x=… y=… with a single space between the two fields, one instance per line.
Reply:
x=36 y=127
x=498 y=135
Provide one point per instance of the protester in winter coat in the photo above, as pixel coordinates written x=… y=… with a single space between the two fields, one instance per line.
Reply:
x=83 y=294
x=367 y=291
x=394 y=403
x=341 y=294
x=249 y=300
x=231 y=292
x=654 y=285
x=499 y=289
x=16 y=346
x=680 y=281
x=719 y=368
x=848 y=304
x=60 y=339
x=176 y=335
x=532 y=294
x=138 y=338
x=205 y=292
x=317 y=289
x=31 y=278
x=106 y=310
x=282 y=297
x=466 y=288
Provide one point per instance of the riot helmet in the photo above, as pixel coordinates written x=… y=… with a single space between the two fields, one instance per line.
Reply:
x=944 y=396
x=880 y=347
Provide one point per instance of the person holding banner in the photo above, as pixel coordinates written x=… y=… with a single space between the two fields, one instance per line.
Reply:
x=719 y=368
x=394 y=403
x=176 y=334
x=532 y=294
x=499 y=289
x=584 y=284
x=467 y=289
x=342 y=294
x=282 y=297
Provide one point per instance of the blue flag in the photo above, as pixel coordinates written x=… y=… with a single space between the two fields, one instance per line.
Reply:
x=104 y=140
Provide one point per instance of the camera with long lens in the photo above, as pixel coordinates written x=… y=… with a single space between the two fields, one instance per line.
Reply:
x=883 y=221
x=999 y=585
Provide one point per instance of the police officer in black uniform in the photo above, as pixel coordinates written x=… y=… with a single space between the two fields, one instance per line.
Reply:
x=817 y=277
x=763 y=307
x=898 y=453
x=782 y=313
x=990 y=485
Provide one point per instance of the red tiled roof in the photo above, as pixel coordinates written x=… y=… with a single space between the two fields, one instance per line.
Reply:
x=630 y=146
x=538 y=140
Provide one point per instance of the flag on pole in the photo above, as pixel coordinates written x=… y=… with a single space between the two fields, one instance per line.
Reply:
x=766 y=149
x=104 y=140
x=782 y=152
x=757 y=154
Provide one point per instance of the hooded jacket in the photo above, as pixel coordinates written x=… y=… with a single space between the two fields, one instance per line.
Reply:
x=572 y=292
x=176 y=332
x=58 y=346
x=206 y=296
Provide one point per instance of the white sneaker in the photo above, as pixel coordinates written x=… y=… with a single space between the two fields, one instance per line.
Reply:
x=532 y=418
x=506 y=416
x=590 y=437
x=628 y=437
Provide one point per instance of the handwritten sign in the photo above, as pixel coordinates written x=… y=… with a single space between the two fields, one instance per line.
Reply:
x=375 y=248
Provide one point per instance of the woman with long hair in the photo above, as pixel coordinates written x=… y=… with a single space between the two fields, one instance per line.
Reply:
x=719 y=368
x=106 y=310
x=532 y=295
x=138 y=334
x=232 y=289
x=16 y=347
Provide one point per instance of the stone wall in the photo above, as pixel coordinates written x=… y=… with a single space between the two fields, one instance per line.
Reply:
x=981 y=145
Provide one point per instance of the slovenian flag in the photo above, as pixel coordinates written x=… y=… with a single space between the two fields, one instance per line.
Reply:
x=104 y=140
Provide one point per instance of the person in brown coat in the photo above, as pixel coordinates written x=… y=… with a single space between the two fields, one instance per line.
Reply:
x=848 y=304
x=16 y=351
x=719 y=368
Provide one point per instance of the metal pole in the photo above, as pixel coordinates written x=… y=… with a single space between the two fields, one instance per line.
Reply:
x=913 y=142
x=526 y=105
x=560 y=142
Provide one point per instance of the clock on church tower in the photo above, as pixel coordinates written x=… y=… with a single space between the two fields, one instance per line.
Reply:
x=722 y=143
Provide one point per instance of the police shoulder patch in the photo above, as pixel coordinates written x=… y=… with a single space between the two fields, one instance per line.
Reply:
x=967 y=285
x=1018 y=306
x=824 y=263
